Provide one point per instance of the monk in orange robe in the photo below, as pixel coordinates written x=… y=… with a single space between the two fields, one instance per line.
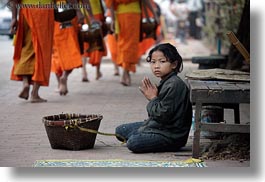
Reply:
x=112 y=45
x=33 y=46
x=127 y=27
x=147 y=43
x=66 y=54
x=95 y=13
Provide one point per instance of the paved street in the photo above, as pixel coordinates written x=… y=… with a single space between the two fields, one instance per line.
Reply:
x=22 y=133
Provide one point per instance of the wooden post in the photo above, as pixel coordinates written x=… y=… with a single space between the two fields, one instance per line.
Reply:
x=233 y=39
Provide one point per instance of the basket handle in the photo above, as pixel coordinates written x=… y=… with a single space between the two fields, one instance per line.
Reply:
x=101 y=133
x=97 y=132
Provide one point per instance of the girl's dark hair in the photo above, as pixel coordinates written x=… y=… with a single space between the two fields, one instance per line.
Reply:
x=170 y=52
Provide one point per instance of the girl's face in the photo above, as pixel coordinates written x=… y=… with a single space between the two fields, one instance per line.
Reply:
x=160 y=66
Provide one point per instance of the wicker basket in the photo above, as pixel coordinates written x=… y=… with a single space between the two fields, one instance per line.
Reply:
x=64 y=133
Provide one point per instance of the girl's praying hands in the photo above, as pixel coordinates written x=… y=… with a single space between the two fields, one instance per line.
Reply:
x=148 y=89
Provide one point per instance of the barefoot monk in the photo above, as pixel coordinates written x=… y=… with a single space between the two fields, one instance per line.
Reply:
x=33 y=45
x=126 y=16
x=66 y=54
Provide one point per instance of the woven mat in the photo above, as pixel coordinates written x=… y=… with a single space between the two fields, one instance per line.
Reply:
x=118 y=163
x=219 y=74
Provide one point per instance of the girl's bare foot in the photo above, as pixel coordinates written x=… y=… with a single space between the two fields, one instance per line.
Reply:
x=37 y=99
x=24 y=94
x=63 y=86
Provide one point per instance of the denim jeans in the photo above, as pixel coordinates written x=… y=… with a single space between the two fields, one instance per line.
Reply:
x=142 y=142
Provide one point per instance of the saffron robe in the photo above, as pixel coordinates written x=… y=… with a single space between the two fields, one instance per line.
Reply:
x=39 y=33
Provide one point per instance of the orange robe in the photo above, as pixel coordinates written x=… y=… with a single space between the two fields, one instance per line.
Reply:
x=40 y=31
x=147 y=43
x=112 y=45
x=66 y=53
x=128 y=15
x=96 y=56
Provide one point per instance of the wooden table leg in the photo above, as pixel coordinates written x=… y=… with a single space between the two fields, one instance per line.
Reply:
x=236 y=113
x=197 y=132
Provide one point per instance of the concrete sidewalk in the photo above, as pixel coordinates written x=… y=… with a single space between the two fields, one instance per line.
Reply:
x=23 y=136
